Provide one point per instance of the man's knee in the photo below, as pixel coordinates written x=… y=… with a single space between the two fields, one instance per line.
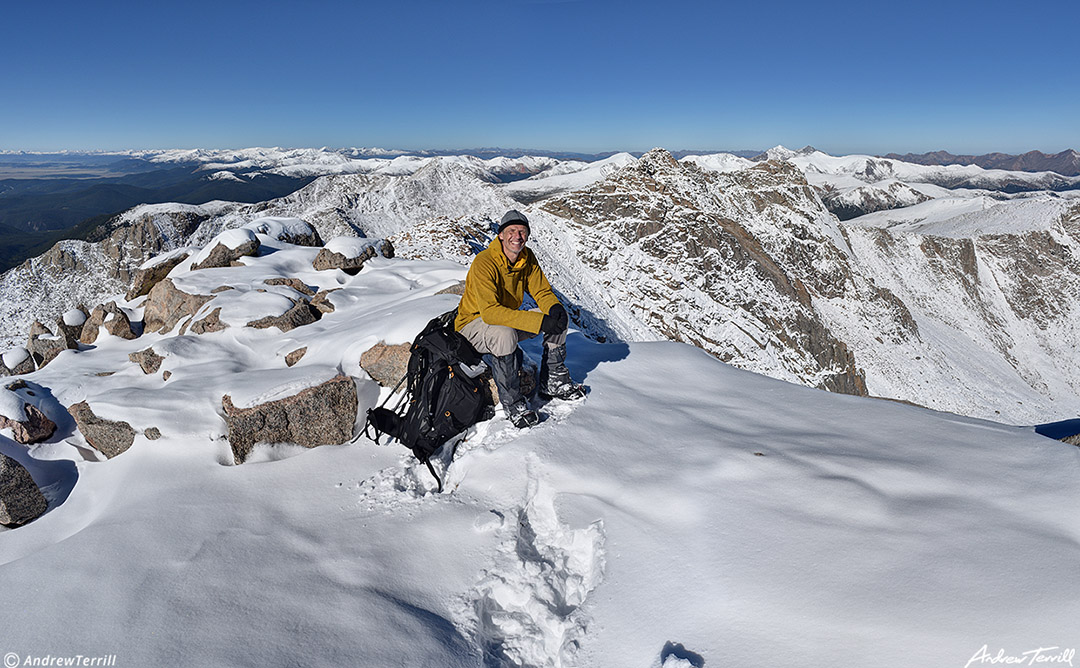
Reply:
x=501 y=340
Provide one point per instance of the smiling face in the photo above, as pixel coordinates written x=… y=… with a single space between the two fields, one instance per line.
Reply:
x=513 y=239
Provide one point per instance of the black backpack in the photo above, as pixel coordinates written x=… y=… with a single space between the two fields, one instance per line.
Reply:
x=441 y=400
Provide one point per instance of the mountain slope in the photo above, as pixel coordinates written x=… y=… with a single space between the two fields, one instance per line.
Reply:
x=75 y=272
x=744 y=517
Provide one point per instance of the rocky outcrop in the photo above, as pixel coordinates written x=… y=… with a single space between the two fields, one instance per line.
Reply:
x=20 y=360
x=167 y=305
x=108 y=437
x=20 y=499
x=28 y=424
x=321 y=301
x=148 y=360
x=294 y=283
x=70 y=325
x=299 y=315
x=290 y=230
x=211 y=322
x=224 y=255
x=295 y=356
x=350 y=254
x=113 y=318
x=36 y=428
x=455 y=289
x=44 y=346
x=320 y=415
x=328 y=259
x=147 y=277
x=733 y=263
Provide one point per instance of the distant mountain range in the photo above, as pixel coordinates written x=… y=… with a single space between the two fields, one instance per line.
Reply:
x=1066 y=163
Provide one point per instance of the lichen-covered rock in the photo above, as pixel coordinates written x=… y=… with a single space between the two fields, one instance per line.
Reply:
x=322 y=302
x=320 y=415
x=147 y=359
x=108 y=437
x=167 y=305
x=149 y=276
x=299 y=315
x=152 y=433
x=20 y=499
x=386 y=363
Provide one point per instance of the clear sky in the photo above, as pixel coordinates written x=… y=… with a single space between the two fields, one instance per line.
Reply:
x=574 y=75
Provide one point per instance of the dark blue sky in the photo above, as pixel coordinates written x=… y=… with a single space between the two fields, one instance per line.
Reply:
x=585 y=75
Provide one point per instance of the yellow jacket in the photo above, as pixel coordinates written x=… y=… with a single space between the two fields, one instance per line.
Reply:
x=494 y=290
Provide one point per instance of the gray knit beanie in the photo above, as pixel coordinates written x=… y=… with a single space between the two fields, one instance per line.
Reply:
x=513 y=217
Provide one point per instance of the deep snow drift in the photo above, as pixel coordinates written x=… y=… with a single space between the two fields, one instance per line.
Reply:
x=685 y=514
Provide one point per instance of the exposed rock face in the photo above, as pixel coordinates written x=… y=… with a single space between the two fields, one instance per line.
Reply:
x=148 y=360
x=20 y=499
x=167 y=305
x=115 y=321
x=320 y=415
x=224 y=256
x=386 y=364
x=730 y=262
x=147 y=277
x=109 y=437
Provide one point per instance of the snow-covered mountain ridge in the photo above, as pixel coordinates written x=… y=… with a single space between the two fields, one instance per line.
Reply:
x=741 y=258
x=749 y=517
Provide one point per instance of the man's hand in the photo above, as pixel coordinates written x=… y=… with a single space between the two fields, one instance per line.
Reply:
x=555 y=321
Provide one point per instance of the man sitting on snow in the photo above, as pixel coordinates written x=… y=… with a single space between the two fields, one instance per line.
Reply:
x=489 y=317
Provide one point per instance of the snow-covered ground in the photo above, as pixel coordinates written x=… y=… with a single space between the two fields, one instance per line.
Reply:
x=685 y=514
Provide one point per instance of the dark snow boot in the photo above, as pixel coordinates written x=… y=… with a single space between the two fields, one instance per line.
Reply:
x=505 y=371
x=555 y=380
